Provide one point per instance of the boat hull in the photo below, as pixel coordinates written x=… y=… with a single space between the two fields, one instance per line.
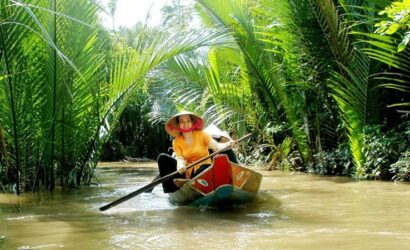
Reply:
x=222 y=184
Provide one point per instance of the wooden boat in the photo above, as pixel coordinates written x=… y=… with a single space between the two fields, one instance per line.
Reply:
x=222 y=184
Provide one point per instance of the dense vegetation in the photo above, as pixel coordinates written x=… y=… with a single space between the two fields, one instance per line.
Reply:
x=321 y=84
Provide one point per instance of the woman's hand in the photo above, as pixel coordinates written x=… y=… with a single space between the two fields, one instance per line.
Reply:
x=181 y=170
x=181 y=165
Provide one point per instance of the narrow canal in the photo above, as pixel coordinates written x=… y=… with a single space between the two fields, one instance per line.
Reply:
x=292 y=211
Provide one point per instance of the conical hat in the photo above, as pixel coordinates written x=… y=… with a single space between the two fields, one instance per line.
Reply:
x=215 y=132
x=172 y=124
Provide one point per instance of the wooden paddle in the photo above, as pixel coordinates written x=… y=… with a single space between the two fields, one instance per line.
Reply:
x=165 y=178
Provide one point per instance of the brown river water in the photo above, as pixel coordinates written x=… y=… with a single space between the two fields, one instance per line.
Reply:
x=292 y=211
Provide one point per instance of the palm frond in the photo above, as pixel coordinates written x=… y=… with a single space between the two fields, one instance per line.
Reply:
x=249 y=24
x=350 y=77
x=383 y=49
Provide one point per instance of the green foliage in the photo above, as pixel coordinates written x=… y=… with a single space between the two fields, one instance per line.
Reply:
x=114 y=150
x=135 y=136
x=398 y=14
x=383 y=49
x=265 y=151
x=59 y=98
x=337 y=162
x=350 y=69
x=291 y=72
x=278 y=74
x=50 y=86
x=382 y=150
x=267 y=43
x=401 y=168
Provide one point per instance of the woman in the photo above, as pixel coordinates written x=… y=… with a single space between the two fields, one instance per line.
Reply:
x=191 y=143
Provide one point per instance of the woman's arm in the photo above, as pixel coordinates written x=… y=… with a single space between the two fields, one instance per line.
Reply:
x=181 y=165
x=216 y=146
x=181 y=162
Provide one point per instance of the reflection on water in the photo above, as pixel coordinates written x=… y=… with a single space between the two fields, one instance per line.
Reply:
x=292 y=211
